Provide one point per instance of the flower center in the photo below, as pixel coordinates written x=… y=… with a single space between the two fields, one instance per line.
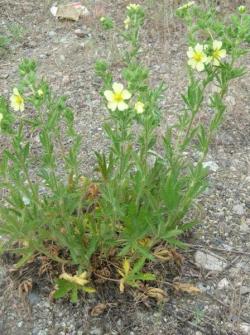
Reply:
x=19 y=99
x=216 y=54
x=118 y=97
x=198 y=56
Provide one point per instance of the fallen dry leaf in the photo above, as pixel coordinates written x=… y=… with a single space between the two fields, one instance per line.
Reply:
x=163 y=254
x=102 y=275
x=25 y=287
x=167 y=254
x=98 y=309
x=93 y=191
x=156 y=293
x=186 y=287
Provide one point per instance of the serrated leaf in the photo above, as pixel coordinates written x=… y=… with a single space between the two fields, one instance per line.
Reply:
x=62 y=289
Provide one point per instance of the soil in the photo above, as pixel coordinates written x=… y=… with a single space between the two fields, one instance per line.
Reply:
x=67 y=61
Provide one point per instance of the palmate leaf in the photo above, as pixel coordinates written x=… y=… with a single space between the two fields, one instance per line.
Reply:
x=63 y=287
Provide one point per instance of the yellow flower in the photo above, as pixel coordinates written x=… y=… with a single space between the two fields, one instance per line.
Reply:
x=197 y=57
x=217 y=53
x=187 y=5
x=133 y=6
x=242 y=9
x=127 y=22
x=1 y=117
x=139 y=107
x=40 y=93
x=17 y=101
x=116 y=98
x=102 y=19
x=77 y=279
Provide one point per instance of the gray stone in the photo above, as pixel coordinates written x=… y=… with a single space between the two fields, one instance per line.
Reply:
x=51 y=33
x=209 y=261
x=2 y=275
x=96 y=331
x=4 y=75
x=34 y=298
x=244 y=290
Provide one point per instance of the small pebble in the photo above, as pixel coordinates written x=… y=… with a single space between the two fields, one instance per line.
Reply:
x=239 y=209
x=223 y=284
x=80 y=33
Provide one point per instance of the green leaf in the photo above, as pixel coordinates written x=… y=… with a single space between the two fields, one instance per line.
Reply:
x=26 y=257
x=177 y=243
x=63 y=287
x=172 y=233
x=74 y=295
x=189 y=225
x=144 y=276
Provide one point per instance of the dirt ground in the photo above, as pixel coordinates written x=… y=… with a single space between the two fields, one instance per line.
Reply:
x=67 y=61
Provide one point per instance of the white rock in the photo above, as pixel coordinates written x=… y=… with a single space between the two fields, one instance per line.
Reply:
x=231 y=100
x=209 y=261
x=244 y=227
x=245 y=328
x=62 y=58
x=53 y=10
x=223 y=284
x=212 y=166
x=239 y=209
x=51 y=33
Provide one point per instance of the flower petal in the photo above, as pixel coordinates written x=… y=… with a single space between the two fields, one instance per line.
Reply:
x=122 y=106
x=117 y=87
x=192 y=63
x=198 y=47
x=21 y=107
x=200 y=67
x=190 y=52
x=126 y=94
x=223 y=53
x=112 y=105
x=217 y=45
x=109 y=95
x=15 y=91
x=216 y=62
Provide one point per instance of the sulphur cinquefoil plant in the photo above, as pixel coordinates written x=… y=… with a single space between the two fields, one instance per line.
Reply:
x=134 y=213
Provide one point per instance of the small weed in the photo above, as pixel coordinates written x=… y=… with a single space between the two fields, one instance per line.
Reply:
x=16 y=32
